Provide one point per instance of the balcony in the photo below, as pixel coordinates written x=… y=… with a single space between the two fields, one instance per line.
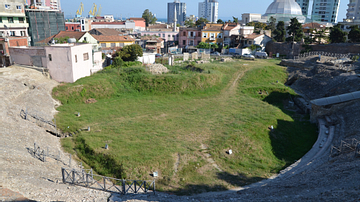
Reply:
x=212 y=38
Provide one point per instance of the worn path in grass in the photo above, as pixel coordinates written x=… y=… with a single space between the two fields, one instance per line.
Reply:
x=185 y=136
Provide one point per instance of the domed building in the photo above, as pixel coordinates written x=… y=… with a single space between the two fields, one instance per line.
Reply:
x=284 y=10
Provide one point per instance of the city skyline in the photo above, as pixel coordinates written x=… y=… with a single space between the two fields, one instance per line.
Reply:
x=227 y=8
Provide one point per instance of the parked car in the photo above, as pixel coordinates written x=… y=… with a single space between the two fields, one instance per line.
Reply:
x=261 y=55
x=158 y=55
x=215 y=53
x=248 y=56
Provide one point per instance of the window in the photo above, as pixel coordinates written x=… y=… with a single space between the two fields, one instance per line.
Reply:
x=113 y=44
x=184 y=33
x=12 y=33
x=18 y=7
x=86 y=56
x=212 y=36
x=10 y=20
x=250 y=42
x=75 y=58
x=168 y=36
x=23 y=33
x=50 y=58
x=66 y=28
x=103 y=45
x=21 y=20
x=0 y=19
x=72 y=28
x=85 y=39
x=163 y=35
x=83 y=28
x=184 y=42
x=205 y=35
x=7 y=6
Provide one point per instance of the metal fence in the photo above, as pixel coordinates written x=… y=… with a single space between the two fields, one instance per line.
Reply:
x=44 y=154
x=346 y=146
x=39 y=118
x=86 y=178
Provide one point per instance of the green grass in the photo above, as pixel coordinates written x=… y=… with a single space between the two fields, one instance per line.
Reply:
x=148 y=121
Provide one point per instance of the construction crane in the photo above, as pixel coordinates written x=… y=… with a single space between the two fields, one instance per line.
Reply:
x=80 y=10
x=99 y=11
x=93 y=10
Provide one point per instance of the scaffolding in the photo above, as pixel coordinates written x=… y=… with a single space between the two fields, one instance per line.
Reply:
x=44 y=23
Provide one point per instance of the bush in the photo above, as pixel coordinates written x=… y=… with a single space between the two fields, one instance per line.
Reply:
x=118 y=61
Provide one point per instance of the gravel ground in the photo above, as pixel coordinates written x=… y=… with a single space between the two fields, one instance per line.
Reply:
x=319 y=178
x=20 y=172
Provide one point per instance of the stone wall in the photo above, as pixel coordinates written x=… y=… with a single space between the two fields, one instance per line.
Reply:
x=286 y=48
x=283 y=48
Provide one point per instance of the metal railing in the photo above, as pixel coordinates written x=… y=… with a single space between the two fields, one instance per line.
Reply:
x=346 y=146
x=108 y=184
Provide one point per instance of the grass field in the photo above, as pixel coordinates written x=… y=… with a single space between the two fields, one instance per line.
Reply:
x=182 y=124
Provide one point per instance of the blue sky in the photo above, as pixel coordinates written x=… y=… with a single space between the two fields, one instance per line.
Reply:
x=135 y=8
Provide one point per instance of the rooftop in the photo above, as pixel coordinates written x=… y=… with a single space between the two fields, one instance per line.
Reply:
x=102 y=38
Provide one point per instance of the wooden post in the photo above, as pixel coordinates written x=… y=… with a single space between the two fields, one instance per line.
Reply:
x=104 y=183
x=154 y=187
x=87 y=180
x=135 y=182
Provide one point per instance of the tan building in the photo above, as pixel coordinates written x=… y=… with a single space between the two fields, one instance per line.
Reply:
x=212 y=33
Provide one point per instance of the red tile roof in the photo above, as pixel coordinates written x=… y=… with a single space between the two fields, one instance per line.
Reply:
x=253 y=36
x=102 y=38
x=62 y=34
x=138 y=19
x=230 y=26
x=107 y=31
x=313 y=25
x=108 y=23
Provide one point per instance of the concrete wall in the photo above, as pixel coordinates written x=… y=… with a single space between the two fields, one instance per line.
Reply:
x=283 y=48
x=147 y=58
x=36 y=56
x=82 y=67
x=59 y=62
x=98 y=62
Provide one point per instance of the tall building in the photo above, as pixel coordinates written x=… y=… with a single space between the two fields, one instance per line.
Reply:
x=304 y=4
x=13 y=28
x=178 y=9
x=52 y=4
x=209 y=9
x=353 y=11
x=285 y=10
x=325 y=10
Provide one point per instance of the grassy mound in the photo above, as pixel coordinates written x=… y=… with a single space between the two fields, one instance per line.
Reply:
x=181 y=124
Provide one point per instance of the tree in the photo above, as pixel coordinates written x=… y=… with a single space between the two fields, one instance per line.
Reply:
x=254 y=47
x=295 y=30
x=236 y=20
x=189 y=23
x=203 y=45
x=201 y=21
x=280 y=33
x=61 y=39
x=272 y=24
x=319 y=35
x=354 y=34
x=130 y=52
x=149 y=17
x=219 y=21
x=337 y=35
x=257 y=26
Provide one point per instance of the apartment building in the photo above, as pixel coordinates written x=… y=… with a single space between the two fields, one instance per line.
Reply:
x=325 y=10
x=51 y=4
x=178 y=10
x=304 y=4
x=189 y=37
x=209 y=9
x=13 y=28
